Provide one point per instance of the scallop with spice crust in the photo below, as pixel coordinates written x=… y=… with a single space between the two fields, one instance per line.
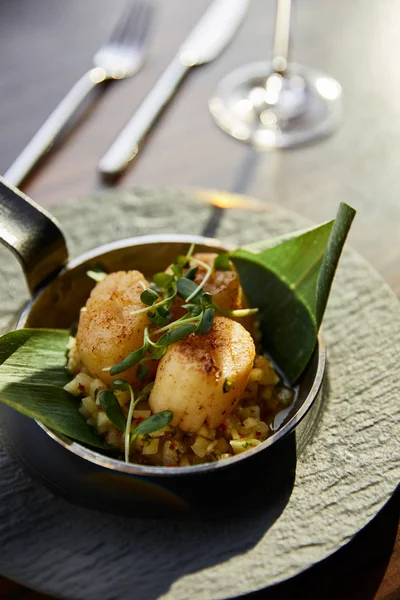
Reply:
x=224 y=286
x=201 y=378
x=107 y=331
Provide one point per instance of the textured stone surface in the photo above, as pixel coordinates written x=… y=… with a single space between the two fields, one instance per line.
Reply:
x=342 y=480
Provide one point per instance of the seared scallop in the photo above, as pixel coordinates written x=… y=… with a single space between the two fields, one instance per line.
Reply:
x=224 y=286
x=201 y=378
x=107 y=331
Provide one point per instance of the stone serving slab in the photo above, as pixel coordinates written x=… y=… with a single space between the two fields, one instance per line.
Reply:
x=341 y=480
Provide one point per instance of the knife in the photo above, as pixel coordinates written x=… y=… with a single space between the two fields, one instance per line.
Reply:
x=207 y=40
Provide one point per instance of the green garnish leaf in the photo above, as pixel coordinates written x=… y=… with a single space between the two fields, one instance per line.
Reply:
x=148 y=297
x=154 y=422
x=156 y=317
x=236 y=313
x=177 y=271
x=191 y=273
x=157 y=353
x=142 y=371
x=289 y=280
x=193 y=309
x=146 y=391
x=206 y=300
x=120 y=384
x=164 y=312
x=32 y=376
x=163 y=280
x=112 y=408
x=205 y=322
x=208 y=319
x=222 y=262
x=182 y=261
x=128 y=437
x=130 y=361
x=186 y=287
x=176 y=334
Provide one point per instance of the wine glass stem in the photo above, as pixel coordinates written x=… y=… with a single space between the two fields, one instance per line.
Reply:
x=282 y=36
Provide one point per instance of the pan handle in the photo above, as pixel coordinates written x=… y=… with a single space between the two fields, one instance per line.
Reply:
x=32 y=235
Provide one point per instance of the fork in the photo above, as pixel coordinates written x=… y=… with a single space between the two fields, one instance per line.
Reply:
x=120 y=57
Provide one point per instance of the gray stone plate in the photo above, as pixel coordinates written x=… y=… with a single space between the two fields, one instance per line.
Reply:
x=342 y=479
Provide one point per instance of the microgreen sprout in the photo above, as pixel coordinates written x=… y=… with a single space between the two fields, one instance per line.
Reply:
x=127 y=439
x=177 y=333
x=122 y=385
x=190 y=251
x=239 y=312
x=145 y=391
x=222 y=263
x=175 y=324
x=149 y=425
x=206 y=277
x=112 y=408
x=163 y=302
x=149 y=297
x=206 y=322
x=198 y=319
x=142 y=371
x=154 y=423
x=191 y=273
x=130 y=361
x=163 y=280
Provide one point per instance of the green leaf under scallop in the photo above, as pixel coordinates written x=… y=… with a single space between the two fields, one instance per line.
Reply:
x=289 y=279
x=32 y=376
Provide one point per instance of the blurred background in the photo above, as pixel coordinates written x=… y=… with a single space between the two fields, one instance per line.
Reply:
x=46 y=46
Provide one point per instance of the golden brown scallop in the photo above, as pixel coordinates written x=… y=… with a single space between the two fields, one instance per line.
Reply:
x=201 y=378
x=107 y=332
x=224 y=286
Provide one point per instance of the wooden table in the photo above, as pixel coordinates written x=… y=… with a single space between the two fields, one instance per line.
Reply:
x=45 y=46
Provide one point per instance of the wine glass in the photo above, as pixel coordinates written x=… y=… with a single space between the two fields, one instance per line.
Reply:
x=277 y=104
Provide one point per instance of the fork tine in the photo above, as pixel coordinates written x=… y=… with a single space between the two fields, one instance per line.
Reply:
x=132 y=17
x=144 y=30
x=137 y=24
x=132 y=8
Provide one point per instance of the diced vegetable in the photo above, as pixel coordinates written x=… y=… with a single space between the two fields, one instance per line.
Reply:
x=103 y=423
x=151 y=447
x=244 y=444
x=89 y=404
x=250 y=411
x=200 y=446
x=80 y=385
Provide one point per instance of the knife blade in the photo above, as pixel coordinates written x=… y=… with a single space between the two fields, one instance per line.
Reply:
x=214 y=30
x=210 y=36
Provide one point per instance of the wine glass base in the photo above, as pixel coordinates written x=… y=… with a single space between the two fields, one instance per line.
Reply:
x=255 y=105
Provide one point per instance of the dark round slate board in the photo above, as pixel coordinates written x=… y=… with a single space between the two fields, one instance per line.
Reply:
x=342 y=479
